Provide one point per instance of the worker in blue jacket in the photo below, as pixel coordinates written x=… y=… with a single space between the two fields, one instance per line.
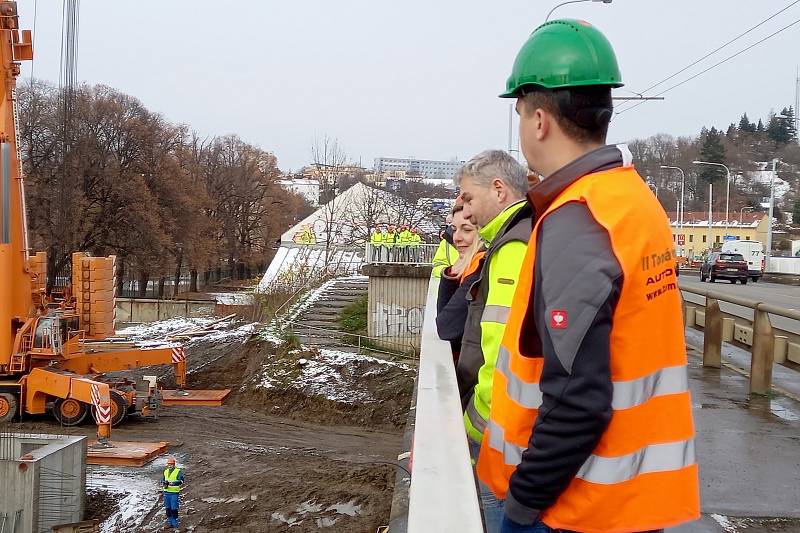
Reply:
x=172 y=483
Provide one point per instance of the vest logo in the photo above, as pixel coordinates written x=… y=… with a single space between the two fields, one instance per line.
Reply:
x=558 y=319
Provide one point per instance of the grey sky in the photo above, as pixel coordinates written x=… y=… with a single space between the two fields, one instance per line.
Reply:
x=408 y=78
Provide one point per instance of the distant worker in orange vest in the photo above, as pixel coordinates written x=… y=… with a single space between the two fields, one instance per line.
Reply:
x=590 y=427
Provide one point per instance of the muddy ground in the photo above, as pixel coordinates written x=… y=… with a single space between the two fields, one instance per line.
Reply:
x=271 y=459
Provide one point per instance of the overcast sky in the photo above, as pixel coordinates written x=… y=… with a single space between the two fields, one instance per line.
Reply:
x=408 y=78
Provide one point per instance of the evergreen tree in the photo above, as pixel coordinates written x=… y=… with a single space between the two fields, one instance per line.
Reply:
x=760 y=126
x=778 y=129
x=745 y=125
x=712 y=151
x=731 y=133
x=796 y=212
x=790 y=125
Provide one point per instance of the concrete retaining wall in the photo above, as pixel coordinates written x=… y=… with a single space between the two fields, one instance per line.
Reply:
x=43 y=479
x=396 y=307
x=148 y=310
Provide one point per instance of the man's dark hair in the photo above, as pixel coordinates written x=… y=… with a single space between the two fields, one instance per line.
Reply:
x=583 y=113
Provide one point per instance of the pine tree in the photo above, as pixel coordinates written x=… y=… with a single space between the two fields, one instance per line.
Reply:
x=712 y=151
x=778 y=128
x=796 y=212
x=760 y=126
x=790 y=125
x=745 y=125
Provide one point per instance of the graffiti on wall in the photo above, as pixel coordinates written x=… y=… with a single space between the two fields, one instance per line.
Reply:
x=396 y=321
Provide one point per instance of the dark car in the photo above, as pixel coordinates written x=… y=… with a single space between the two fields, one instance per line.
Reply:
x=724 y=266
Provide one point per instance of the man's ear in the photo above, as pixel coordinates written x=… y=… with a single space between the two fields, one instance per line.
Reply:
x=543 y=122
x=499 y=188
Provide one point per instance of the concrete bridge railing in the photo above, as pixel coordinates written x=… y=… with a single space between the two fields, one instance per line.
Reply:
x=765 y=343
x=442 y=496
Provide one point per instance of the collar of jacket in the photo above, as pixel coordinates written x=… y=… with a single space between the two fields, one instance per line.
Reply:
x=490 y=230
x=544 y=192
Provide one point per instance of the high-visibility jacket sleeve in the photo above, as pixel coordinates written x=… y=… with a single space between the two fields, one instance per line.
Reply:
x=578 y=276
x=503 y=273
x=446 y=255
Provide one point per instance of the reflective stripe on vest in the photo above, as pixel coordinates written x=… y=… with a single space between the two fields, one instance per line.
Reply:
x=642 y=475
x=627 y=394
x=495 y=313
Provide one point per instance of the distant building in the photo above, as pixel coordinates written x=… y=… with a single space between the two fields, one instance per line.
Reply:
x=695 y=230
x=424 y=168
x=318 y=171
x=307 y=188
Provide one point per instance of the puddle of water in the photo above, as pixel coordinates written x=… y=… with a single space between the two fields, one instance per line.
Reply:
x=783 y=412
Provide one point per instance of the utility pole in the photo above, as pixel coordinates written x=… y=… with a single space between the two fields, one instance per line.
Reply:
x=796 y=105
x=510 y=120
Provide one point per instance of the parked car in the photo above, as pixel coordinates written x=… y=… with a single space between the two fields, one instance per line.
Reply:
x=724 y=265
x=753 y=253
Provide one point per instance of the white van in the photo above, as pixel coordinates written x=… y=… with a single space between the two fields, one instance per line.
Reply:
x=753 y=252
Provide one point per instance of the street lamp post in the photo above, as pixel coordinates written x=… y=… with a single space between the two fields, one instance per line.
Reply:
x=681 y=209
x=727 y=188
x=771 y=205
x=573 y=2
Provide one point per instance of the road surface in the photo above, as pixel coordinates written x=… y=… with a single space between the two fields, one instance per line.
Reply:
x=787 y=296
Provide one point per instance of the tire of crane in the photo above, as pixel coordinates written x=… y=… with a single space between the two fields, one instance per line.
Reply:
x=8 y=407
x=119 y=408
x=69 y=411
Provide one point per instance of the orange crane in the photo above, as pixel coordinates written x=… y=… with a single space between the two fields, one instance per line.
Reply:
x=54 y=352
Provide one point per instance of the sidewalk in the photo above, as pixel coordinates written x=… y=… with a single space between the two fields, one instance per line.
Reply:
x=748 y=449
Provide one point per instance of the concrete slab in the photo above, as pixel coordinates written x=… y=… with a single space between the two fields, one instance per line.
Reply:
x=199 y=397
x=125 y=453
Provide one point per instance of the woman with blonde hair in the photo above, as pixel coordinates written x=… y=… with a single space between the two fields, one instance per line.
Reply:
x=456 y=280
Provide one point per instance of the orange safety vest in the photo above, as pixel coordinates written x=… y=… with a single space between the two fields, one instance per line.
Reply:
x=643 y=474
x=473 y=266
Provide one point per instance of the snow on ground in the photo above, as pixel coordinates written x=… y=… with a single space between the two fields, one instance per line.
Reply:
x=138 y=494
x=329 y=373
x=157 y=332
x=233 y=298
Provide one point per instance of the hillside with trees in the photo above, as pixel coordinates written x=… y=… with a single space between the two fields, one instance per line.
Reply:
x=743 y=146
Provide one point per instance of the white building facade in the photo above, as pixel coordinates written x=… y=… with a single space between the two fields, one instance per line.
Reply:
x=429 y=169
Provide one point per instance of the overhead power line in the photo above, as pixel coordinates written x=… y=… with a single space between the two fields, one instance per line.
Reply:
x=721 y=47
x=715 y=65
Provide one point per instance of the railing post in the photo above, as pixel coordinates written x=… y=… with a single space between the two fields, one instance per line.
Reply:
x=712 y=335
x=763 y=353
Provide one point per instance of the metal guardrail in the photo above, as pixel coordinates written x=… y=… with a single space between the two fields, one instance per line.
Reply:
x=409 y=254
x=442 y=497
x=763 y=341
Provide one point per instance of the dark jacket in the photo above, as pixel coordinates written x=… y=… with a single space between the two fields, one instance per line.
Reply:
x=451 y=309
x=575 y=269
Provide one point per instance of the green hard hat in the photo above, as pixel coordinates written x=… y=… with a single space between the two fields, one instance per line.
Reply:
x=564 y=53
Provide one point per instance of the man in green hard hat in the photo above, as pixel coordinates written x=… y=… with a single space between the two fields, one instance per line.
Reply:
x=590 y=426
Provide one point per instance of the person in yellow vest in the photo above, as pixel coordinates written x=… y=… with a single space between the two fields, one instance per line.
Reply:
x=376 y=243
x=446 y=254
x=390 y=242
x=590 y=428
x=415 y=243
x=404 y=242
x=172 y=483
x=493 y=189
